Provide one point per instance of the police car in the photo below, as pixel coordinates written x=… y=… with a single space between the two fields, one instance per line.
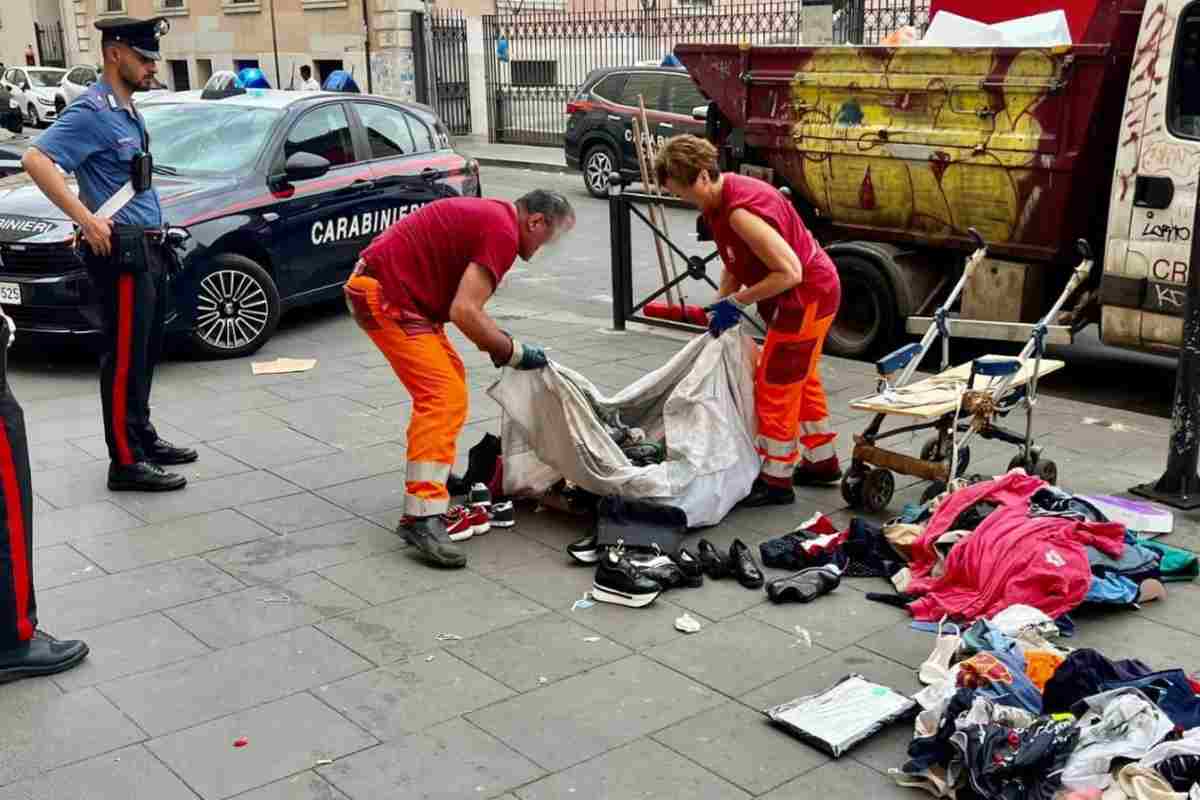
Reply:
x=279 y=191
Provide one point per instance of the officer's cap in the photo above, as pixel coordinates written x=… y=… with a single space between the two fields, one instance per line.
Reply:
x=140 y=34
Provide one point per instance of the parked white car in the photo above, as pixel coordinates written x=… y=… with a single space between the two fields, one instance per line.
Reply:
x=75 y=83
x=34 y=90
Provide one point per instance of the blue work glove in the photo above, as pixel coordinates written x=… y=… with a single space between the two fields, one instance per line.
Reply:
x=525 y=356
x=726 y=313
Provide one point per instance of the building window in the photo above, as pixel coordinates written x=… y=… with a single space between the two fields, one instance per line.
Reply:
x=534 y=73
x=171 y=8
x=110 y=7
x=317 y=5
x=240 y=6
x=325 y=67
x=179 y=76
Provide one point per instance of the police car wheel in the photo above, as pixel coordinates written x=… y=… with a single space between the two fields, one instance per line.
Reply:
x=237 y=308
x=598 y=164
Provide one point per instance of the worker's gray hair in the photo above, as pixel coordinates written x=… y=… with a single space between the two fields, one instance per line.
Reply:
x=551 y=205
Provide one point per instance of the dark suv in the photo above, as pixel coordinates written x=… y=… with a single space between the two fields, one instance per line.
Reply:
x=600 y=125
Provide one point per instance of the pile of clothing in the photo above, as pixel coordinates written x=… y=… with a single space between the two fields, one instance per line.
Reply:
x=1009 y=714
x=1014 y=540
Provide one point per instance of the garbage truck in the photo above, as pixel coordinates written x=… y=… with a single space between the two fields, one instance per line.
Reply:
x=892 y=154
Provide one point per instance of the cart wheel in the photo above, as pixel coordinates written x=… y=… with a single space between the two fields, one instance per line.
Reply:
x=932 y=449
x=877 y=489
x=1047 y=470
x=852 y=486
x=932 y=491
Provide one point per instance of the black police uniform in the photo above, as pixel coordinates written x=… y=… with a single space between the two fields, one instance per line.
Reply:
x=107 y=147
x=24 y=651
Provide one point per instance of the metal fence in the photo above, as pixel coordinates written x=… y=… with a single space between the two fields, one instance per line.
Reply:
x=538 y=56
x=869 y=21
x=445 y=50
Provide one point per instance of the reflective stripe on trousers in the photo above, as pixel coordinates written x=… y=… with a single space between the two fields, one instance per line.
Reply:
x=789 y=399
x=432 y=372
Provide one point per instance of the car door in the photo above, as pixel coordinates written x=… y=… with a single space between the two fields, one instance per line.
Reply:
x=680 y=99
x=1154 y=193
x=404 y=166
x=648 y=86
x=317 y=231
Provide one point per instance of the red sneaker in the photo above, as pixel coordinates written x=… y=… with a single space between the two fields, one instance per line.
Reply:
x=463 y=523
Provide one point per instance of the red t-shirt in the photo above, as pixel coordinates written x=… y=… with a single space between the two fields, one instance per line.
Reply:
x=820 y=285
x=420 y=260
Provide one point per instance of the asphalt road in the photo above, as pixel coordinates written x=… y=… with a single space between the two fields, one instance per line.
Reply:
x=578 y=278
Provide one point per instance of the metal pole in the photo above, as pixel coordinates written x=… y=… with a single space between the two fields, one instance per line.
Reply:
x=1179 y=486
x=620 y=268
x=274 y=48
x=367 y=44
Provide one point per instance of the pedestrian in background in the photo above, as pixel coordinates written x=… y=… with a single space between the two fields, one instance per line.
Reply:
x=307 y=82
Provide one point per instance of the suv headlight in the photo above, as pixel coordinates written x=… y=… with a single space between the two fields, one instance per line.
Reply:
x=45 y=101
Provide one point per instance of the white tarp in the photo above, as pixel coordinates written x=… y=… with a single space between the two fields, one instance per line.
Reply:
x=1039 y=30
x=702 y=400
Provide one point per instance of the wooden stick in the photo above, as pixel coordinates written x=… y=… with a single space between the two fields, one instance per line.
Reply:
x=656 y=190
x=658 y=245
x=905 y=465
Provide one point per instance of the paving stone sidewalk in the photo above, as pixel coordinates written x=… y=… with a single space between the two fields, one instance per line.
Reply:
x=270 y=600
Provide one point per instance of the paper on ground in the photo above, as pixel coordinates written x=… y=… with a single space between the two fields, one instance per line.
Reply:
x=282 y=365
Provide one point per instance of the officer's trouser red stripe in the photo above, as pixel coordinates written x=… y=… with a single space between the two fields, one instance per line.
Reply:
x=120 y=387
x=15 y=518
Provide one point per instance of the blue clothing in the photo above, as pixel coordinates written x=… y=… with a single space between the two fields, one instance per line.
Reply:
x=1112 y=589
x=96 y=139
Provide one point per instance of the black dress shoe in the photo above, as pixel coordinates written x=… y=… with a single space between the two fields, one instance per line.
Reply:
x=712 y=560
x=693 y=570
x=764 y=494
x=166 y=454
x=620 y=582
x=743 y=566
x=666 y=573
x=41 y=655
x=806 y=585
x=428 y=534
x=143 y=477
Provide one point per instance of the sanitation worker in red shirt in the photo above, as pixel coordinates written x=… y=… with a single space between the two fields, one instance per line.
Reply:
x=773 y=260
x=437 y=265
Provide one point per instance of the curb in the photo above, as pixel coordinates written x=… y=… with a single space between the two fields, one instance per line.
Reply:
x=494 y=161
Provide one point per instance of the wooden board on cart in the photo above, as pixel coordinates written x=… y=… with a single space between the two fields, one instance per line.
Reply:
x=934 y=396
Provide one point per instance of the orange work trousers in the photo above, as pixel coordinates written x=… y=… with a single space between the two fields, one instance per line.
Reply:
x=432 y=372
x=789 y=400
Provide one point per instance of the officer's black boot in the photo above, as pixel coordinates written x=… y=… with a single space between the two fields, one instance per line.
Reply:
x=428 y=534
x=143 y=477
x=41 y=655
x=165 y=454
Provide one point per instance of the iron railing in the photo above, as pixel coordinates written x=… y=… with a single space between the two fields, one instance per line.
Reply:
x=869 y=21
x=51 y=52
x=451 y=69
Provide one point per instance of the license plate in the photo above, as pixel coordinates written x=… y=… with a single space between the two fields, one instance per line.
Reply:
x=10 y=294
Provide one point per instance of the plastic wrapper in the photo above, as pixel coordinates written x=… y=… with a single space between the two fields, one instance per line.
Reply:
x=849 y=712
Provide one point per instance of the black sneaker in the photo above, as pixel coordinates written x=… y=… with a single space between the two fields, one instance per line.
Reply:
x=743 y=566
x=503 y=515
x=586 y=550
x=712 y=560
x=428 y=534
x=165 y=454
x=620 y=582
x=693 y=570
x=143 y=477
x=764 y=494
x=479 y=496
x=41 y=655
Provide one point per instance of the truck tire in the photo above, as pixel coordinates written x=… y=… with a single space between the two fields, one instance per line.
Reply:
x=237 y=308
x=867 y=321
x=598 y=163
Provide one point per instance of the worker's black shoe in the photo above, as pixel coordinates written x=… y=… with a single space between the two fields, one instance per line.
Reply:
x=712 y=560
x=428 y=534
x=41 y=655
x=764 y=494
x=457 y=485
x=743 y=566
x=817 y=473
x=143 y=477
x=165 y=454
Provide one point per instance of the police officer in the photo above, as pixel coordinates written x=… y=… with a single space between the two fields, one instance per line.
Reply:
x=102 y=139
x=25 y=651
